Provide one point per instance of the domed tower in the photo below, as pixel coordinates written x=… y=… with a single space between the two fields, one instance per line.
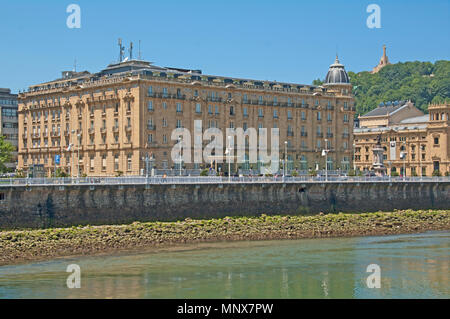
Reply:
x=337 y=78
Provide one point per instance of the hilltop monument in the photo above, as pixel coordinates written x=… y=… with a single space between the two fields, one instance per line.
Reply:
x=383 y=62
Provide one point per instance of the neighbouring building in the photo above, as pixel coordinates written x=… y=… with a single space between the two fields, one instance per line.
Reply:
x=383 y=62
x=9 y=122
x=112 y=120
x=414 y=143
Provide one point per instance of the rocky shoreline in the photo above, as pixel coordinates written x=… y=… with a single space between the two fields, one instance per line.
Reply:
x=34 y=245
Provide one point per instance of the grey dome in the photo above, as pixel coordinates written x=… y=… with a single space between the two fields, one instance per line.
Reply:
x=336 y=74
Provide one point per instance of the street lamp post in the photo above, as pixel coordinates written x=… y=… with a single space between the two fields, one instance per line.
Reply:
x=73 y=159
x=389 y=164
x=285 y=158
x=229 y=158
x=179 y=162
x=146 y=158
x=78 y=155
x=420 y=161
x=404 y=160
x=326 y=159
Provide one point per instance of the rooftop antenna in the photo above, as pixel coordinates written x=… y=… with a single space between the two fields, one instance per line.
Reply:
x=139 y=49
x=75 y=65
x=121 y=49
x=131 y=50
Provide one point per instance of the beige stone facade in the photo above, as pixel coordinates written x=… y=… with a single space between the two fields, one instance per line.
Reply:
x=422 y=139
x=112 y=119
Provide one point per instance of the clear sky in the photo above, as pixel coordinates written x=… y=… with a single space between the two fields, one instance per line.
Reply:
x=284 y=40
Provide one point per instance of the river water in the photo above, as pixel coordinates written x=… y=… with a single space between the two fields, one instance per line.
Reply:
x=411 y=266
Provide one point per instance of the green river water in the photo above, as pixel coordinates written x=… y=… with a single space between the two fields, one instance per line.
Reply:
x=412 y=266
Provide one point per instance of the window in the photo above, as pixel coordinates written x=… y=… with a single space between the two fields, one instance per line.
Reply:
x=116 y=162
x=179 y=124
x=217 y=109
x=260 y=113
x=436 y=141
x=345 y=118
x=260 y=100
x=129 y=162
x=231 y=110
x=245 y=111
x=210 y=109
x=165 y=92
x=150 y=90
x=164 y=105
x=150 y=106
x=180 y=108
x=103 y=162
x=319 y=116
x=91 y=163
x=275 y=114
x=198 y=108
x=289 y=115
x=150 y=138
x=245 y=98
x=303 y=115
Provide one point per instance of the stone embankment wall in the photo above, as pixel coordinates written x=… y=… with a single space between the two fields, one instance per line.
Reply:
x=56 y=206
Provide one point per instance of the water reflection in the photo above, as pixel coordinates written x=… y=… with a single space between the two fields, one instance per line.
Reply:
x=412 y=266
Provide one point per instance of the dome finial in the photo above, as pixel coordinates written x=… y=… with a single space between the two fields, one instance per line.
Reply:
x=337 y=59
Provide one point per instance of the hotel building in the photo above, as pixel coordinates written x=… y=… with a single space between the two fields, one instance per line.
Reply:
x=414 y=143
x=9 y=123
x=107 y=123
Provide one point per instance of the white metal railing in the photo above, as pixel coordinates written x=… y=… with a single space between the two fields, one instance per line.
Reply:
x=132 y=180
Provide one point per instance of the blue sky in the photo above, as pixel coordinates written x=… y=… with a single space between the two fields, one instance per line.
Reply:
x=284 y=40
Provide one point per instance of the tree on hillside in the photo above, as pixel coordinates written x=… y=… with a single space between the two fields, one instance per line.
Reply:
x=5 y=153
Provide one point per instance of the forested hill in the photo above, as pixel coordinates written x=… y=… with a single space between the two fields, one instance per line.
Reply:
x=420 y=82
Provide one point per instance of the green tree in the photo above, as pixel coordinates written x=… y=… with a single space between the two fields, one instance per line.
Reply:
x=5 y=153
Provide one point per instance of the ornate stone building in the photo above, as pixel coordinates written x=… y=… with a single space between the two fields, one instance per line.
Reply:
x=108 y=122
x=383 y=62
x=413 y=142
